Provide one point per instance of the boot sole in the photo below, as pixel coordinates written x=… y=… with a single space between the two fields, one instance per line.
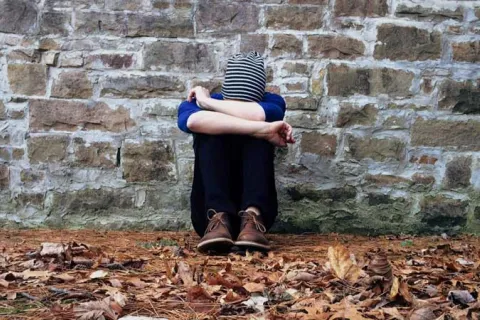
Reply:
x=252 y=245
x=216 y=245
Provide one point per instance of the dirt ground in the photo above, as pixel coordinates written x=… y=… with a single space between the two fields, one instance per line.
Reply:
x=52 y=274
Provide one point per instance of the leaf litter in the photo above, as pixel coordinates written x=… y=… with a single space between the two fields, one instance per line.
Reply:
x=47 y=275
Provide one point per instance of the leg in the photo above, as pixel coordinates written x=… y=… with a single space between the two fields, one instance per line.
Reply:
x=259 y=189
x=211 y=199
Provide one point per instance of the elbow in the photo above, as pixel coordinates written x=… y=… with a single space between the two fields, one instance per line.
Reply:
x=259 y=116
x=192 y=123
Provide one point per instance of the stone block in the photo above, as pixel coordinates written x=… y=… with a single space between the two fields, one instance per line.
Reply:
x=72 y=84
x=27 y=55
x=95 y=154
x=148 y=161
x=131 y=5
x=297 y=103
x=3 y=111
x=253 y=42
x=192 y=57
x=287 y=45
x=4 y=177
x=292 y=69
x=55 y=22
x=167 y=25
x=428 y=13
x=294 y=17
x=381 y=180
x=50 y=58
x=109 y=61
x=361 y=8
x=407 y=43
x=17 y=153
x=319 y=143
x=70 y=59
x=23 y=200
x=334 y=47
x=142 y=87
x=460 y=96
x=91 y=23
x=350 y=115
x=219 y=16
x=28 y=79
x=45 y=149
x=63 y=115
x=305 y=120
x=466 y=51
x=18 y=16
x=345 y=81
x=89 y=4
x=376 y=149
x=5 y=154
x=30 y=178
x=458 y=173
x=214 y=85
x=461 y=135
x=442 y=214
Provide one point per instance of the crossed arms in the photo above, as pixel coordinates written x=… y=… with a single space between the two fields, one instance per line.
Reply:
x=213 y=116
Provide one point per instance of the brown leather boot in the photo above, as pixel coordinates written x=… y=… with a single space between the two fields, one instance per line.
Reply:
x=252 y=232
x=217 y=236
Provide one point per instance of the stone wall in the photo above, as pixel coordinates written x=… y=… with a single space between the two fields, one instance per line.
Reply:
x=384 y=96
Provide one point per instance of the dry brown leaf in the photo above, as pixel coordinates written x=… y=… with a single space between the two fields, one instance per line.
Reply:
x=96 y=309
x=198 y=294
x=348 y=313
x=138 y=283
x=185 y=274
x=423 y=314
x=394 y=313
x=405 y=292
x=99 y=274
x=379 y=266
x=64 y=277
x=27 y=274
x=342 y=264
x=4 y=283
x=11 y=295
x=115 y=283
x=394 y=289
x=254 y=287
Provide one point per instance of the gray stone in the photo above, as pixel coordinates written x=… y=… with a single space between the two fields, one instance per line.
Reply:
x=137 y=87
x=294 y=17
x=361 y=8
x=442 y=214
x=376 y=149
x=4 y=177
x=131 y=5
x=47 y=149
x=28 y=79
x=18 y=16
x=214 y=86
x=466 y=51
x=194 y=57
x=350 y=115
x=458 y=173
x=109 y=61
x=63 y=115
x=90 y=23
x=3 y=113
x=148 y=161
x=55 y=23
x=296 y=103
x=460 y=97
x=74 y=84
x=70 y=59
x=218 y=16
x=346 y=81
x=286 y=45
x=319 y=143
x=460 y=135
x=95 y=154
x=427 y=13
x=407 y=43
x=306 y=120
x=168 y=25
x=27 y=55
x=335 y=47
x=30 y=178
x=253 y=42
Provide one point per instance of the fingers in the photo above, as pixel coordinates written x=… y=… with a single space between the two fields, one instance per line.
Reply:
x=191 y=95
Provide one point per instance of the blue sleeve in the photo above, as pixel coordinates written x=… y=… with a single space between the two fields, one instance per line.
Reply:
x=185 y=110
x=274 y=106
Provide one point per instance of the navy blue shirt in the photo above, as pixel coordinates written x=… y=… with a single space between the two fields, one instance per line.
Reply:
x=273 y=105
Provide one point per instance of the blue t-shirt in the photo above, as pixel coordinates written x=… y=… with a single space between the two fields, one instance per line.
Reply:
x=273 y=105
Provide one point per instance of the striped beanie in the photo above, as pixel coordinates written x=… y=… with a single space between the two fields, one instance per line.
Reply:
x=245 y=77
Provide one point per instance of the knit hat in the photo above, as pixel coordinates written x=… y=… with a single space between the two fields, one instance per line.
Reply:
x=245 y=77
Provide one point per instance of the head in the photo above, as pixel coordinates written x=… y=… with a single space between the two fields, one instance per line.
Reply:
x=245 y=78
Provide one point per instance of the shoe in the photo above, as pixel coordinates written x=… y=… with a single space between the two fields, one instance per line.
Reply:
x=217 y=236
x=252 y=234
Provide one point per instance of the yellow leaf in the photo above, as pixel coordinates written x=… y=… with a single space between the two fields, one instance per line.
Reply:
x=394 y=289
x=342 y=264
x=185 y=274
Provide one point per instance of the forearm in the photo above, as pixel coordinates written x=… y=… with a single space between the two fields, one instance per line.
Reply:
x=215 y=123
x=239 y=109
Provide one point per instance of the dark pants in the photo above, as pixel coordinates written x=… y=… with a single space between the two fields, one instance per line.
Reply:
x=232 y=173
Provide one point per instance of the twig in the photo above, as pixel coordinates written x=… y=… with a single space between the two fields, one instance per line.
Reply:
x=28 y=296
x=115 y=266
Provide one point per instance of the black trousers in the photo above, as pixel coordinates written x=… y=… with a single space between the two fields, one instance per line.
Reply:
x=232 y=173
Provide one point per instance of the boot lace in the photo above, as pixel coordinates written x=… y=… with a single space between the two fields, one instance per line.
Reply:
x=251 y=217
x=216 y=219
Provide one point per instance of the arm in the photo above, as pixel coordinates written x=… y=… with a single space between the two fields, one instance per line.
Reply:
x=214 y=123
x=240 y=109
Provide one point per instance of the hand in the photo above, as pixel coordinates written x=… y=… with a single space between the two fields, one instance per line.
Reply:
x=201 y=94
x=278 y=133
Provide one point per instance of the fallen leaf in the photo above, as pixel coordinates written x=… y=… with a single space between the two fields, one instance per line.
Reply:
x=99 y=274
x=115 y=283
x=64 y=277
x=460 y=297
x=423 y=314
x=348 y=313
x=95 y=310
x=138 y=283
x=379 y=266
x=197 y=294
x=254 y=287
x=464 y=262
x=394 y=313
x=27 y=274
x=394 y=289
x=11 y=295
x=52 y=249
x=256 y=302
x=405 y=292
x=4 y=283
x=185 y=274
x=342 y=264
